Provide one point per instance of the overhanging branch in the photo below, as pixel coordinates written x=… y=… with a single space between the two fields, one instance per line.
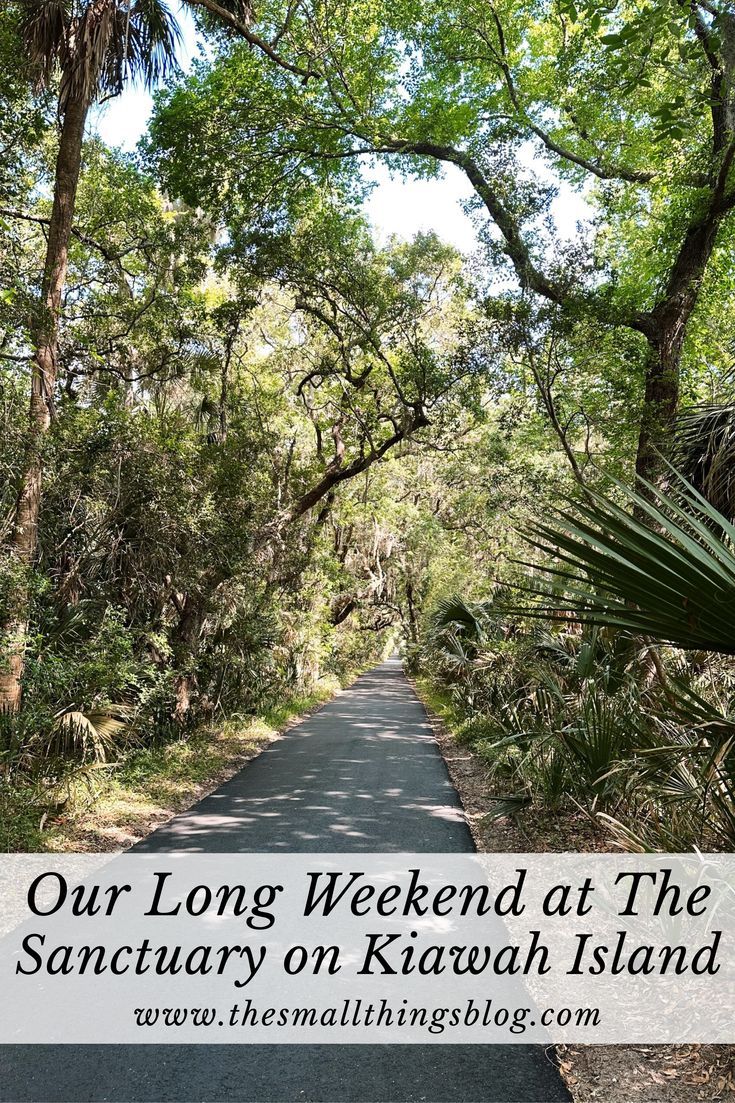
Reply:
x=242 y=28
x=337 y=475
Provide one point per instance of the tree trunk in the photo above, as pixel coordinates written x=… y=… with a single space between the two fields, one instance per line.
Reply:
x=184 y=643
x=660 y=404
x=185 y=689
x=666 y=333
x=24 y=536
x=413 y=627
x=337 y=474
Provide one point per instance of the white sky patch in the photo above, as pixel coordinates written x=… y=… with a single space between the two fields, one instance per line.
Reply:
x=122 y=121
x=398 y=206
x=403 y=207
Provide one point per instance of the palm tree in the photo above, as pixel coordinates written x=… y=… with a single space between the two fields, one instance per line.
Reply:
x=663 y=568
x=705 y=452
x=92 y=48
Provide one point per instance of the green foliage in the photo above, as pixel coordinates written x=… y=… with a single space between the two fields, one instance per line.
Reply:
x=280 y=447
x=706 y=448
x=670 y=575
x=596 y=715
x=651 y=762
x=172 y=590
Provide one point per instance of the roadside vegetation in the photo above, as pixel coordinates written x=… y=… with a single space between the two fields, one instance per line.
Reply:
x=248 y=444
x=607 y=688
x=110 y=805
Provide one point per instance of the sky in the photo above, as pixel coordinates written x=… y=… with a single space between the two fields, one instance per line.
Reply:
x=396 y=206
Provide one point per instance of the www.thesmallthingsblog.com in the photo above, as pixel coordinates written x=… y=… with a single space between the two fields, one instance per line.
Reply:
x=369 y=1014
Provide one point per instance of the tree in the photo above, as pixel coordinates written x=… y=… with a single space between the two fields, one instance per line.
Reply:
x=376 y=355
x=90 y=52
x=672 y=580
x=634 y=107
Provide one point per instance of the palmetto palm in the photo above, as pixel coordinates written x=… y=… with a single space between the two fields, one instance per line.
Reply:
x=92 y=47
x=706 y=453
x=97 y=46
x=669 y=575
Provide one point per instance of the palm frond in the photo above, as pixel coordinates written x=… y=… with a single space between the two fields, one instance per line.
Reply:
x=669 y=576
x=648 y=836
x=88 y=735
x=44 y=28
x=504 y=807
x=469 y=619
x=706 y=453
x=96 y=50
x=143 y=48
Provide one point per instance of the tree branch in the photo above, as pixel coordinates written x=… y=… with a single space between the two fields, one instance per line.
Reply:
x=530 y=276
x=41 y=220
x=242 y=28
x=597 y=168
x=339 y=475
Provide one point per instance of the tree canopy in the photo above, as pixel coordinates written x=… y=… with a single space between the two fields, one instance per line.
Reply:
x=250 y=441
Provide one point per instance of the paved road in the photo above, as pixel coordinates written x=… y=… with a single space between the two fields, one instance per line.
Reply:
x=364 y=774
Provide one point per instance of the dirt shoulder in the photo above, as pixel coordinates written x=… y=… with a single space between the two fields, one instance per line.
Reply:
x=593 y=1074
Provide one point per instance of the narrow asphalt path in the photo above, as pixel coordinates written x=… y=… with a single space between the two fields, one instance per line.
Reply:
x=362 y=774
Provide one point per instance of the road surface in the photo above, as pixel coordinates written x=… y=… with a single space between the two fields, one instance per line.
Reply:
x=362 y=774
